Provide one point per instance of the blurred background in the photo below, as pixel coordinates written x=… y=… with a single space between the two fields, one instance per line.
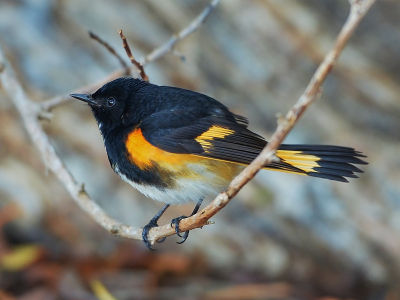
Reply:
x=284 y=236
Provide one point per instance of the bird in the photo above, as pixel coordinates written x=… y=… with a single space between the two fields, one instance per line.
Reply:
x=177 y=146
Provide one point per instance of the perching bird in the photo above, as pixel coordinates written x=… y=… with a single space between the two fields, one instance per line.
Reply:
x=176 y=145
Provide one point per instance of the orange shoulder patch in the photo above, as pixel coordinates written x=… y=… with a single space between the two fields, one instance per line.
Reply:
x=139 y=149
x=144 y=155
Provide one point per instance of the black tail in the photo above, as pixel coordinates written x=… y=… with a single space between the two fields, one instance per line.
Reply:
x=329 y=162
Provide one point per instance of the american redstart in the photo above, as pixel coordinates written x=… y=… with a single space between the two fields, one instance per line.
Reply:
x=176 y=145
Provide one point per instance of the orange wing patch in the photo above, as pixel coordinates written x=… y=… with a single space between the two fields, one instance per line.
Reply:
x=212 y=133
x=144 y=155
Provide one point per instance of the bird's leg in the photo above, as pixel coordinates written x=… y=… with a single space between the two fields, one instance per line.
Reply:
x=151 y=224
x=177 y=220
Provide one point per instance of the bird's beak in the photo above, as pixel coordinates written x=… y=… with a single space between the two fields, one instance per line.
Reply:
x=85 y=98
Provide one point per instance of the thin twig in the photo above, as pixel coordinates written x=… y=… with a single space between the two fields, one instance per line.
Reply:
x=29 y=112
x=157 y=53
x=138 y=65
x=112 y=51
x=192 y=27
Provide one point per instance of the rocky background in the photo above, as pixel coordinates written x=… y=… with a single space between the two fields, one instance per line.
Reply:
x=284 y=236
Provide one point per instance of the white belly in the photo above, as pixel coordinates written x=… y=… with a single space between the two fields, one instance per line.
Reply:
x=204 y=184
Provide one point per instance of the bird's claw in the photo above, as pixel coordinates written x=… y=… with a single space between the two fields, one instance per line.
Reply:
x=175 y=222
x=184 y=237
x=145 y=233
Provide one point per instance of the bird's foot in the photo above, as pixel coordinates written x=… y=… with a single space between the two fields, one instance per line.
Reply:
x=175 y=222
x=145 y=233
x=151 y=224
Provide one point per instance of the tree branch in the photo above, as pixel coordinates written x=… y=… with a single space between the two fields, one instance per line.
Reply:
x=157 y=53
x=358 y=10
x=29 y=112
x=170 y=44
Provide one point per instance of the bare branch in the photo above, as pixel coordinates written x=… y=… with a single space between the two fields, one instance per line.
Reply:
x=29 y=112
x=152 y=56
x=192 y=27
x=138 y=65
x=313 y=91
x=112 y=51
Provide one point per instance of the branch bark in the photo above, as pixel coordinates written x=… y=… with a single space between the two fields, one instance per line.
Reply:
x=29 y=112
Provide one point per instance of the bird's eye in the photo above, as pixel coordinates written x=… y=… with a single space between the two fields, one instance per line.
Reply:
x=111 y=101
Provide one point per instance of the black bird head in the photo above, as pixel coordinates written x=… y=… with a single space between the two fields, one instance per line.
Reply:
x=112 y=104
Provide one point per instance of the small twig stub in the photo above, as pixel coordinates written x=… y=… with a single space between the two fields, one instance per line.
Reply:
x=130 y=55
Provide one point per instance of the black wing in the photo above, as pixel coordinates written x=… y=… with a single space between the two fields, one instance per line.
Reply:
x=190 y=132
x=228 y=139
